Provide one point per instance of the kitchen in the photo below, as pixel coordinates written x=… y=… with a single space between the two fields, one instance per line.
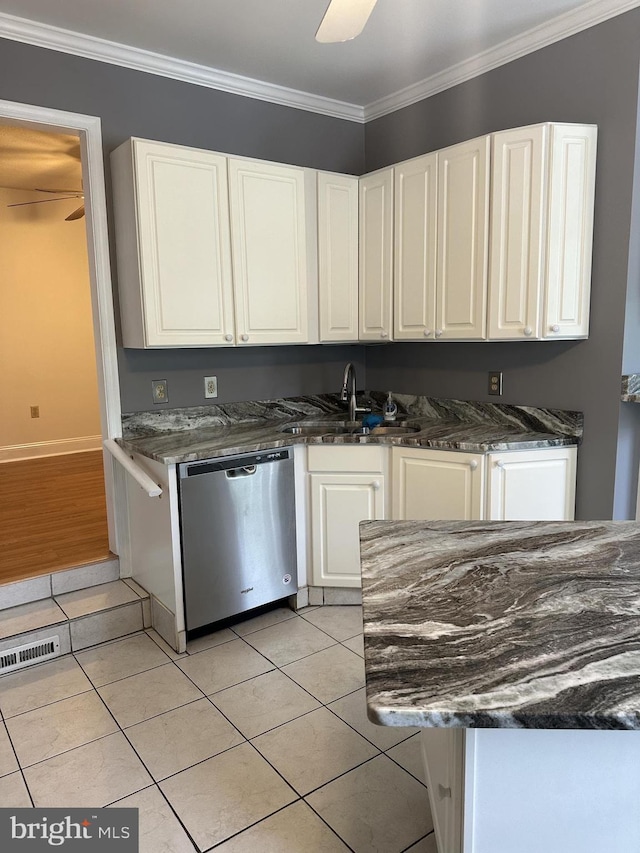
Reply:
x=589 y=77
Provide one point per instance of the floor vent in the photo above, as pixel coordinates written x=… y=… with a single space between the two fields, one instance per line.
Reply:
x=22 y=656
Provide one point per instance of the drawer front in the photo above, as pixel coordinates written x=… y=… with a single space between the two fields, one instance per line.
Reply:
x=351 y=457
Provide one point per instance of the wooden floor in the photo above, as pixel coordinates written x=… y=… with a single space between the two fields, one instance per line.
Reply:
x=52 y=514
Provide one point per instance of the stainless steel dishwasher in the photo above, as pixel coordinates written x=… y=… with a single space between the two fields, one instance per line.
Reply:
x=237 y=519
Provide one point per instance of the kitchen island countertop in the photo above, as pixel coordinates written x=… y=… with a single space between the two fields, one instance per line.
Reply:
x=502 y=624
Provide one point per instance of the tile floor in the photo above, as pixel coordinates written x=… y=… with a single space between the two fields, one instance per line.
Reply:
x=255 y=739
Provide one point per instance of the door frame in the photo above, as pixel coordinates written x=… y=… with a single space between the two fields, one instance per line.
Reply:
x=89 y=131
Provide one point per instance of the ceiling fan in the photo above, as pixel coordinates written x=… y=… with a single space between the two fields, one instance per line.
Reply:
x=78 y=213
x=344 y=20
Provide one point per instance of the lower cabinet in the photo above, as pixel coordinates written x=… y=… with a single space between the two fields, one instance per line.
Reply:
x=347 y=486
x=436 y=484
x=522 y=485
x=532 y=485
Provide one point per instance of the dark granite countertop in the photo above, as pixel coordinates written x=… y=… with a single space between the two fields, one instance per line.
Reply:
x=189 y=435
x=630 y=388
x=502 y=624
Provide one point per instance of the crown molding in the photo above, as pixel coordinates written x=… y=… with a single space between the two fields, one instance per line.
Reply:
x=555 y=30
x=90 y=47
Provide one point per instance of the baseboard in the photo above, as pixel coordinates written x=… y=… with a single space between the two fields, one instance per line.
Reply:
x=17 y=452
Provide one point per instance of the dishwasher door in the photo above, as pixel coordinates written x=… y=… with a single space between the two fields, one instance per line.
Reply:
x=237 y=518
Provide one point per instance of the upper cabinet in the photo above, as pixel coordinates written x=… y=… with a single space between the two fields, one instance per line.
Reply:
x=415 y=214
x=487 y=239
x=542 y=195
x=178 y=212
x=174 y=254
x=338 y=256
x=269 y=241
x=376 y=256
x=463 y=218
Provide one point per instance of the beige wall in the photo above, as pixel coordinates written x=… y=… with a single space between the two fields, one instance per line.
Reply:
x=46 y=336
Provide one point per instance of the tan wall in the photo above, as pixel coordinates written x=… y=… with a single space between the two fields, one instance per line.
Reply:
x=47 y=354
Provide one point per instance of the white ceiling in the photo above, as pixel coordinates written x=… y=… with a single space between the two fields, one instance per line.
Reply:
x=404 y=42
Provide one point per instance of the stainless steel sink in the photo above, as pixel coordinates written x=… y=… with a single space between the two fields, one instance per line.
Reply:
x=345 y=428
x=394 y=430
x=317 y=428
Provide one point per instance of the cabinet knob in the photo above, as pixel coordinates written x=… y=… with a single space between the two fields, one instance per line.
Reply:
x=375 y=485
x=427 y=332
x=383 y=334
x=438 y=332
x=228 y=337
x=499 y=463
x=473 y=464
x=244 y=337
x=528 y=331
x=555 y=328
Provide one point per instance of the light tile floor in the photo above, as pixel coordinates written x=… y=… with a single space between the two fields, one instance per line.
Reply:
x=256 y=739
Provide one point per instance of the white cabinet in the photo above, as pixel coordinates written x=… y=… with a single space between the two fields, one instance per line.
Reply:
x=463 y=220
x=179 y=212
x=542 y=196
x=532 y=485
x=338 y=257
x=174 y=257
x=443 y=753
x=415 y=221
x=436 y=485
x=347 y=486
x=376 y=256
x=521 y=485
x=269 y=241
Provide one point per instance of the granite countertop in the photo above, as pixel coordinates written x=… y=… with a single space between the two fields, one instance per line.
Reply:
x=252 y=427
x=630 y=388
x=502 y=624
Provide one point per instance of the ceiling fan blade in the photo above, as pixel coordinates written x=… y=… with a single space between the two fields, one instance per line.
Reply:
x=41 y=201
x=77 y=214
x=344 y=20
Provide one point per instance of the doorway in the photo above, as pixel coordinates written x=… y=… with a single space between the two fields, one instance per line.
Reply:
x=65 y=482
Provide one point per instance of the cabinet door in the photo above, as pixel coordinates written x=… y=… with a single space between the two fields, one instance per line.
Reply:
x=463 y=215
x=268 y=232
x=183 y=238
x=443 y=753
x=437 y=485
x=570 y=231
x=415 y=252
x=532 y=485
x=338 y=256
x=517 y=221
x=339 y=502
x=376 y=255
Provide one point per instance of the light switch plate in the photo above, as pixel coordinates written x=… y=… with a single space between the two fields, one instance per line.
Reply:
x=159 y=391
x=210 y=386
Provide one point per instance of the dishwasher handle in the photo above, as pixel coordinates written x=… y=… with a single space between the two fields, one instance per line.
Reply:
x=246 y=471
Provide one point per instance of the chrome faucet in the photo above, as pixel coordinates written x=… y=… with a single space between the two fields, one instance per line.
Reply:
x=350 y=394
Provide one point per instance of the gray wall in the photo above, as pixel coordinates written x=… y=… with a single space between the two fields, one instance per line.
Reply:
x=591 y=77
x=131 y=103
x=250 y=373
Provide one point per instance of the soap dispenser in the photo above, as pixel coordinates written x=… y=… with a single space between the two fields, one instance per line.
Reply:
x=390 y=409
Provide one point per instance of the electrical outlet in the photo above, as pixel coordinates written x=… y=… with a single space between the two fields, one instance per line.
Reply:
x=210 y=386
x=159 y=391
x=35 y=411
x=495 y=382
